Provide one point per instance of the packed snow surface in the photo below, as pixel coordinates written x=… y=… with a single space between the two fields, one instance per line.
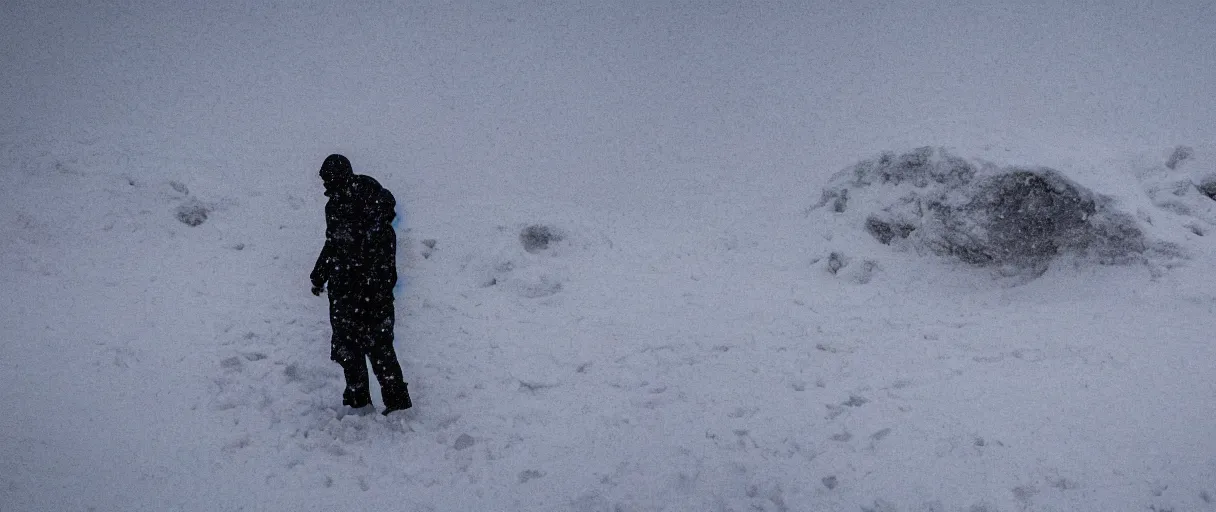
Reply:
x=625 y=281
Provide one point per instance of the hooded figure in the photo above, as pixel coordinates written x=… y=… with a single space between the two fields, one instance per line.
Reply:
x=358 y=263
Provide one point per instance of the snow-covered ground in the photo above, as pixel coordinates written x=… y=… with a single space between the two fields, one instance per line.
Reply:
x=684 y=346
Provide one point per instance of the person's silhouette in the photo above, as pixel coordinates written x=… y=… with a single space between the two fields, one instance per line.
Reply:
x=358 y=265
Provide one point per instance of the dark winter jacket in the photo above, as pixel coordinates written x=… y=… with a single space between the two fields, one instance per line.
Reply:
x=359 y=258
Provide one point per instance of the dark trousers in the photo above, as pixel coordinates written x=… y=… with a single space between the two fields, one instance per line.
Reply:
x=388 y=372
x=363 y=330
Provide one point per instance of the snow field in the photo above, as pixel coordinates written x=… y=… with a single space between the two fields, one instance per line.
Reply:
x=683 y=346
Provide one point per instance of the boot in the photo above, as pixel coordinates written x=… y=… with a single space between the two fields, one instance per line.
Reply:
x=355 y=399
x=397 y=399
x=357 y=393
x=392 y=385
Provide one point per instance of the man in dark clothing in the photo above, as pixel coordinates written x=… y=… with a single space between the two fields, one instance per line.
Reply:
x=359 y=264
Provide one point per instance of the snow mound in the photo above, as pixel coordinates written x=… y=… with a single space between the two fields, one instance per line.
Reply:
x=1185 y=188
x=529 y=265
x=1015 y=219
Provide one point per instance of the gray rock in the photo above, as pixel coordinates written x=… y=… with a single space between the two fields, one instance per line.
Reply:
x=536 y=238
x=836 y=261
x=887 y=231
x=464 y=441
x=1208 y=187
x=192 y=213
x=829 y=482
x=1180 y=154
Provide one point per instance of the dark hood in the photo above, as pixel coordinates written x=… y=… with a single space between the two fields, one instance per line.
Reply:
x=336 y=173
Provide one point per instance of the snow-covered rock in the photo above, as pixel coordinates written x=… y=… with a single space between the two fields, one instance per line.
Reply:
x=1014 y=218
